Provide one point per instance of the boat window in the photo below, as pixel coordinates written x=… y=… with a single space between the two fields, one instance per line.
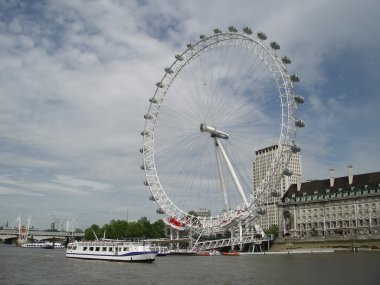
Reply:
x=91 y=248
x=110 y=249
x=85 y=248
x=97 y=248
x=74 y=247
x=104 y=248
x=125 y=249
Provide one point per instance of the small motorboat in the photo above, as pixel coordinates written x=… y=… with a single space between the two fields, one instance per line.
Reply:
x=231 y=253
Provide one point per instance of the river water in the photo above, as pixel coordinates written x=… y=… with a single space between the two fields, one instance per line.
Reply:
x=50 y=266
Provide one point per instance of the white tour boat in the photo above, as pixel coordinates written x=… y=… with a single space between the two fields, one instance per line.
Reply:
x=111 y=250
x=161 y=250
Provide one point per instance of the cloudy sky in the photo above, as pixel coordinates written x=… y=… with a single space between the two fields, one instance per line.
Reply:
x=76 y=76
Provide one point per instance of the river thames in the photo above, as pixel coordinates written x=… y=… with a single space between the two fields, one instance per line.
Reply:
x=46 y=266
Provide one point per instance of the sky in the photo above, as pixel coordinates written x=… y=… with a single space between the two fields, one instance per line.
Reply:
x=76 y=76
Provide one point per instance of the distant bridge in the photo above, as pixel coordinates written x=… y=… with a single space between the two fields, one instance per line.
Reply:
x=38 y=235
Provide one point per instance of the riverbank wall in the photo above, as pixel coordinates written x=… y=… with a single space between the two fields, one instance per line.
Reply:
x=348 y=245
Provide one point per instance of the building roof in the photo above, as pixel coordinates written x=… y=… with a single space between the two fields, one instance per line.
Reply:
x=266 y=149
x=360 y=182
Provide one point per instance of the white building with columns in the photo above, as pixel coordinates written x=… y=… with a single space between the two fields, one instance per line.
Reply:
x=343 y=207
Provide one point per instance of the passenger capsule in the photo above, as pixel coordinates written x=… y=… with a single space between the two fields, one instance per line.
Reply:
x=151 y=198
x=217 y=31
x=262 y=36
x=299 y=99
x=287 y=172
x=232 y=29
x=178 y=57
x=141 y=150
x=247 y=30
x=300 y=123
x=145 y=133
x=202 y=37
x=160 y=85
x=294 y=78
x=160 y=211
x=189 y=45
x=153 y=100
x=148 y=116
x=142 y=167
x=286 y=60
x=295 y=148
x=275 y=45
x=146 y=183
x=168 y=70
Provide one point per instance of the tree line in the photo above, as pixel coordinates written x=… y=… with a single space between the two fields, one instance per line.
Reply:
x=144 y=229
x=122 y=229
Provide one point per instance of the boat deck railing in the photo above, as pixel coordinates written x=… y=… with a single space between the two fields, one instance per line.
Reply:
x=110 y=243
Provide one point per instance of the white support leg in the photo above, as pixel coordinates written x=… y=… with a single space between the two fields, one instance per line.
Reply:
x=177 y=238
x=232 y=172
x=240 y=235
x=221 y=177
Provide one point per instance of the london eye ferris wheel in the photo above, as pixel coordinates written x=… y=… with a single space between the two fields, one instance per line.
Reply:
x=225 y=96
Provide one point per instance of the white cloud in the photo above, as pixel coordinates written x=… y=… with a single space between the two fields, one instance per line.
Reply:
x=81 y=183
x=10 y=191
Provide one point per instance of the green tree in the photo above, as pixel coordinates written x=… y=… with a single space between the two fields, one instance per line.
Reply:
x=121 y=229
x=158 y=229
x=107 y=231
x=89 y=233
x=273 y=230
x=146 y=227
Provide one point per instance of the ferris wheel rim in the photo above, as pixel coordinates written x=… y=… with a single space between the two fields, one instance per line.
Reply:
x=287 y=131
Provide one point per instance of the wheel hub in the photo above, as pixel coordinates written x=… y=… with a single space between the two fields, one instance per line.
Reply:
x=213 y=131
